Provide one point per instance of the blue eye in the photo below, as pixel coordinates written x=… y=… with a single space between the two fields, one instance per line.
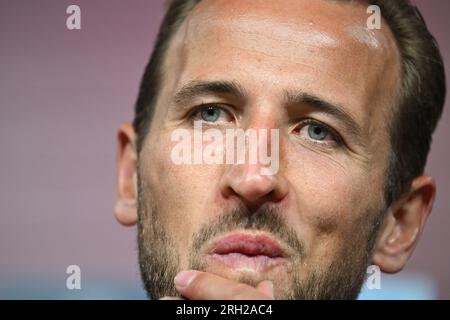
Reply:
x=317 y=132
x=210 y=114
x=213 y=114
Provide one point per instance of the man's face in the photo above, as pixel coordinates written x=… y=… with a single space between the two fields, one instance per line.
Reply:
x=310 y=69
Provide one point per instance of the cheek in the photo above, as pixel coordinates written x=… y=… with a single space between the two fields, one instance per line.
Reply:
x=182 y=192
x=332 y=200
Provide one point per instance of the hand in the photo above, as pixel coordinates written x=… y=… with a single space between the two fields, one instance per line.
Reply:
x=197 y=285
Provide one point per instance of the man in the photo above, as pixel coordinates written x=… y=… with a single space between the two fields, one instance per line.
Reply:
x=353 y=109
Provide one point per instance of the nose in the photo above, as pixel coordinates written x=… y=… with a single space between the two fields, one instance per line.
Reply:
x=250 y=183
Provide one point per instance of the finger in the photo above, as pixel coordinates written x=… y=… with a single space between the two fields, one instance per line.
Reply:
x=198 y=285
x=170 y=298
x=266 y=287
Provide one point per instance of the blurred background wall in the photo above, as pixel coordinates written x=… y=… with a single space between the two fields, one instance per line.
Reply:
x=63 y=95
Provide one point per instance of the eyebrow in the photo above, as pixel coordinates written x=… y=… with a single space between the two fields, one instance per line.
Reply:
x=194 y=89
x=323 y=105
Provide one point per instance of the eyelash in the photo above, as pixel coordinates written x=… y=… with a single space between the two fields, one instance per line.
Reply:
x=194 y=111
x=308 y=121
x=335 y=136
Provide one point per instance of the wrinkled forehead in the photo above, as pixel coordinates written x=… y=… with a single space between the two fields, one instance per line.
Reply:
x=329 y=23
x=328 y=37
x=289 y=29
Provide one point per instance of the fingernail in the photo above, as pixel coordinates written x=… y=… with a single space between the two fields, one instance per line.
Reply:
x=184 y=278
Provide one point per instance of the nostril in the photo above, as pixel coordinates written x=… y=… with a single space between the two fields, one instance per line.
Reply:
x=254 y=189
x=250 y=187
x=271 y=194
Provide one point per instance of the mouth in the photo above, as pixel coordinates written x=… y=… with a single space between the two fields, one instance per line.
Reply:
x=245 y=251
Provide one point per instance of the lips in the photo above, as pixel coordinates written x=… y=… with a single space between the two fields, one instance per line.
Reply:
x=253 y=252
x=249 y=245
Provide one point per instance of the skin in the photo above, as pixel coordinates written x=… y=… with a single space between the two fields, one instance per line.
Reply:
x=322 y=188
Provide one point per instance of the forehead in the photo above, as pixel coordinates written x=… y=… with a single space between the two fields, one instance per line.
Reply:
x=321 y=46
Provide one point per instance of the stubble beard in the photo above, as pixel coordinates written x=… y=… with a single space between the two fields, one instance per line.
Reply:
x=159 y=260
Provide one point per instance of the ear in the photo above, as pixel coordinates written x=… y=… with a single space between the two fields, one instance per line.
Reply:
x=403 y=225
x=126 y=196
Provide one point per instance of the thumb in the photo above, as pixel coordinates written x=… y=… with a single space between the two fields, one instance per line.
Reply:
x=266 y=287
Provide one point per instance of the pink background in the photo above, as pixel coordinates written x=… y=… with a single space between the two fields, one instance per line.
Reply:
x=63 y=95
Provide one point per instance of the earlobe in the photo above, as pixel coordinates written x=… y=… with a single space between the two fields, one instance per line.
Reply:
x=390 y=254
x=403 y=225
x=126 y=195
x=126 y=212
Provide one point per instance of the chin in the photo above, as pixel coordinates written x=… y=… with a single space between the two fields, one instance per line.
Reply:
x=248 y=270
